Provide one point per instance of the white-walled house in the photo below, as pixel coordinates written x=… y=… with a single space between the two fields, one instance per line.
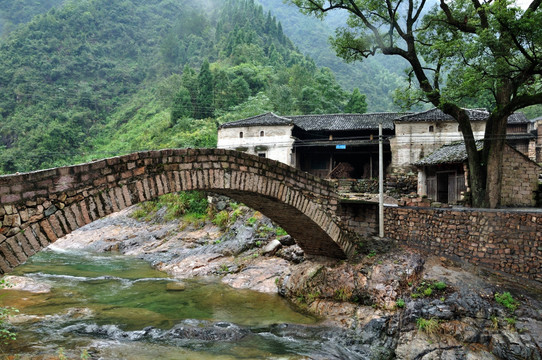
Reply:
x=317 y=144
x=267 y=135
x=420 y=134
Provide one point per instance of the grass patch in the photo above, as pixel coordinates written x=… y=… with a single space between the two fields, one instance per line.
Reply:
x=507 y=300
x=342 y=294
x=222 y=219
x=429 y=288
x=428 y=326
x=177 y=206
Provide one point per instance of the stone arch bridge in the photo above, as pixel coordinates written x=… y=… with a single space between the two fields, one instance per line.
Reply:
x=39 y=207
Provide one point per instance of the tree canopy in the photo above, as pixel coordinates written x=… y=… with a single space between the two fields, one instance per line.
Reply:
x=457 y=50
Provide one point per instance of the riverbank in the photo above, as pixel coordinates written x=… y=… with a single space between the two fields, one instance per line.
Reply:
x=395 y=303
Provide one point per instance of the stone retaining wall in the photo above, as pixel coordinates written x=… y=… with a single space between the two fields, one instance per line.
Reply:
x=501 y=240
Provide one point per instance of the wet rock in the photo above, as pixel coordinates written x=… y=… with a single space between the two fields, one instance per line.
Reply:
x=337 y=314
x=512 y=345
x=287 y=240
x=175 y=286
x=292 y=253
x=385 y=279
x=206 y=331
x=272 y=247
x=437 y=310
x=24 y=319
x=261 y=275
x=464 y=331
x=419 y=345
x=469 y=304
x=23 y=283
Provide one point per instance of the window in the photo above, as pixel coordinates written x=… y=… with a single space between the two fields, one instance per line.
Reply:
x=262 y=155
x=241 y=134
x=262 y=133
x=431 y=128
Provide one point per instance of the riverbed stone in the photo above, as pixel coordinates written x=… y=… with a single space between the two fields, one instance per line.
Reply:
x=23 y=283
x=175 y=286
x=261 y=275
x=272 y=247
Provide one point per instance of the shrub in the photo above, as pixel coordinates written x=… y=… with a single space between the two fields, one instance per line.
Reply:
x=400 y=303
x=507 y=300
x=222 y=219
x=440 y=285
x=177 y=204
x=428 y=292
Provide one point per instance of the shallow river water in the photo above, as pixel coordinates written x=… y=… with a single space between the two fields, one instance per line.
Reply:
x=117 y=307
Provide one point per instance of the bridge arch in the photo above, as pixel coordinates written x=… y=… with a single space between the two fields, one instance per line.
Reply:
x=39 y=207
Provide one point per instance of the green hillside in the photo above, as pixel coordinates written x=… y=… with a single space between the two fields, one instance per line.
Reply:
x=94 y=78
x=377 y=77
x=15 y=12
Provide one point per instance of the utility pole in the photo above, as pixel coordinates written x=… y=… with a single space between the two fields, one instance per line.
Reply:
x=380 y=183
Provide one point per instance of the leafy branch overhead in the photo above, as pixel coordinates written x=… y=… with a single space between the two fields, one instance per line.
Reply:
x=459 y=52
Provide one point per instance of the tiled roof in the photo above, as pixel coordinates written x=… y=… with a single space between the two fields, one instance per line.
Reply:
x=344 y=122
x=448 y=154
x=518 y=118
x=437 y=115
x=268 y=119
x=474 y=114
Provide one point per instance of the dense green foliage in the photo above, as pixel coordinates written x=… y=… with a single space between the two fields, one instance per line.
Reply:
x=376 y=77
x=176 y=205
x=14 y=12
x=95 y=78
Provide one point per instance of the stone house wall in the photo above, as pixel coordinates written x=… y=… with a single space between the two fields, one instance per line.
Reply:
x=503 y=241
x=276 y=142
x=538 y=126
x=414 y=140
x=519 y=179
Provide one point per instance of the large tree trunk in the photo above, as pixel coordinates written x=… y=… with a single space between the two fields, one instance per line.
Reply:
x=492 y=155
x=477 y=168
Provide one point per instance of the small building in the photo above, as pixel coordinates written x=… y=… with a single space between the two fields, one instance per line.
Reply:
x=443 y=176
x=341 y=145
x=418 y=135
x=267 y=135
x=521 y=135
x=331 y=145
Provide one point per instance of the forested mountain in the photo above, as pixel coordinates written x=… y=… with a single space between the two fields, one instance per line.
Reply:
x=93 y=78
x=376 y=77
x=14 y=12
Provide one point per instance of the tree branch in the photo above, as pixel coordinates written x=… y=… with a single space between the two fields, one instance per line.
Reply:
x=460 y=25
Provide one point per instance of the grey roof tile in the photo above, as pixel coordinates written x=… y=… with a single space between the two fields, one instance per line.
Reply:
x=437 y=115
x=474 y=114
x=344 y=122
x=448 y=154
x=267 y=119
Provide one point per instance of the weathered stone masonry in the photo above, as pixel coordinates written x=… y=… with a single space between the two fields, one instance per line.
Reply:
x=501 y=240
x=38 y=208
